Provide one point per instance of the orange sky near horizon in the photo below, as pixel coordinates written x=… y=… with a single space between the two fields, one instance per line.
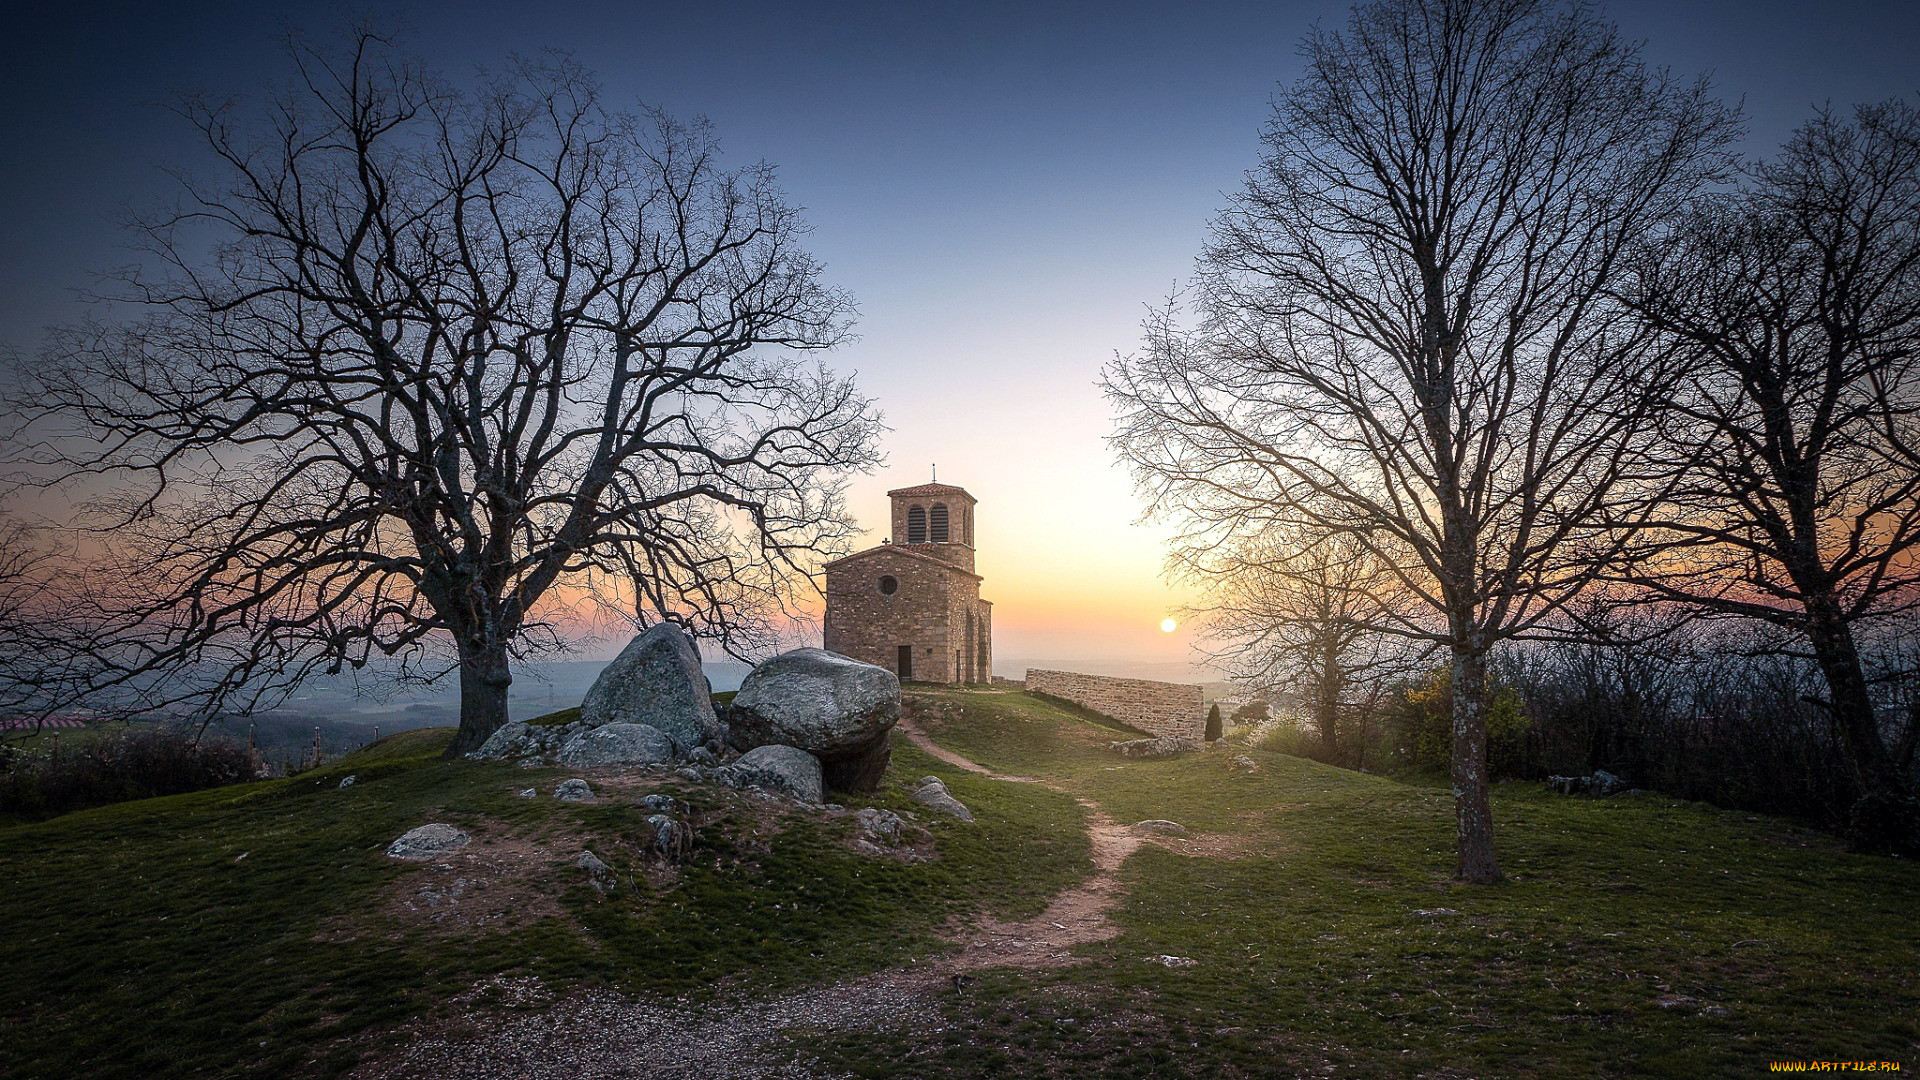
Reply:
x=1074 y=579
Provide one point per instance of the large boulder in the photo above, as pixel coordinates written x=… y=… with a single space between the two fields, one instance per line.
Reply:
x=783 y=769
x=656 y=681
x=617 y=744
x=833 y=707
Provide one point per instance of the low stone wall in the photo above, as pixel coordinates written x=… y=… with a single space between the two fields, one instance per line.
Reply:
x=1157 y=708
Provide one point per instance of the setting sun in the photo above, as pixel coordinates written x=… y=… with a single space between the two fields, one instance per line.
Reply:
x=1167 y=626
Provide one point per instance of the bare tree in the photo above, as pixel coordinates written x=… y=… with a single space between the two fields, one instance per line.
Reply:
x=45 y=637
x=1301 y=615
x=1792 y=445
x=1404 y=330
x=420 y=363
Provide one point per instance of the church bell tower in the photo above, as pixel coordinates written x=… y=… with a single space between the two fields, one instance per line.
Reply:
x=937 y=520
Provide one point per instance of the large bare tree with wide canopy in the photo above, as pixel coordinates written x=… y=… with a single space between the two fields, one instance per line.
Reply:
x=1789 y=450
x=418 y=364
x=1404 y=335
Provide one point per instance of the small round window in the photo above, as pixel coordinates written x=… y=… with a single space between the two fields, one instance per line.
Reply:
x=889 y=584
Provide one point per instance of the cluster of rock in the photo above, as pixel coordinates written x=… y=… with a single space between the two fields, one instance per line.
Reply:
x=1157 y=747
x=786 y=770
x=803 y=722
x=1601 y=783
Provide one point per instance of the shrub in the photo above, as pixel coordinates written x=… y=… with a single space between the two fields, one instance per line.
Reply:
x=1421 y=717
x=119 y=766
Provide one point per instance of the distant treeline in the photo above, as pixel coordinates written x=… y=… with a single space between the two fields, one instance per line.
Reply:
x=1716 y=716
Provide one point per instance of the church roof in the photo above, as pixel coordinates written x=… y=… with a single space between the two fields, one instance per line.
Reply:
x=927 y=491
x=898 y=549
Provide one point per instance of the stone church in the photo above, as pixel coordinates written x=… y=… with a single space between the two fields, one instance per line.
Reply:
x=912 y=605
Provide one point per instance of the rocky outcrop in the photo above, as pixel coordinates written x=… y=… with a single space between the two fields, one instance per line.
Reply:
x=518 y=739
x=786 y=770
x=1159 y=747
x=428 y=842
x=599 y=874
x=838 y=709
x=672 y=839
x=932 y=793
x=656 y=681
x=574 y=790
x=617 y=744
x=880 y=826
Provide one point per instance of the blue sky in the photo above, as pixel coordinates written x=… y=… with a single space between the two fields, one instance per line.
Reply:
x=1002 y=187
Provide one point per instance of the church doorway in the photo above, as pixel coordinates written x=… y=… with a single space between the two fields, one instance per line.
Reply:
x=906 y=662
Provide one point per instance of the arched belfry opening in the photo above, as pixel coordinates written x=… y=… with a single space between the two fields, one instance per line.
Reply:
x=917 y=525
x=939 y=519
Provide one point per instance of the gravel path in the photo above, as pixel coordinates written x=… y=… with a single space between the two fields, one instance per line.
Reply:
x=608 y=1035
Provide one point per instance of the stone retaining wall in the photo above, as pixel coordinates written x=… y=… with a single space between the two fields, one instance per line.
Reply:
x=1157 y=708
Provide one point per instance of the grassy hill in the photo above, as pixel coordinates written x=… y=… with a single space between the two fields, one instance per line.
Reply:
x=260 y=931
x=1633 y=937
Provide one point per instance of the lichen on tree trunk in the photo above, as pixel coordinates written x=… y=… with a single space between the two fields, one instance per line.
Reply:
x=1473 y=811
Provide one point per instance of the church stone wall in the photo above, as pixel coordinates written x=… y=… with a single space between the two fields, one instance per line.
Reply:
x=1157 y=708
x=869 y=625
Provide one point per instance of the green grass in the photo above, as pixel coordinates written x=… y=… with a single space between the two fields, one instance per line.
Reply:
x=556 y=719
x=139 y=943
x=1310 y=955
x=250 y=930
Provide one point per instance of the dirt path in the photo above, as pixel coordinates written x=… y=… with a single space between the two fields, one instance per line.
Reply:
x=1077 y=915
x=919 y=738
x=603 y=1036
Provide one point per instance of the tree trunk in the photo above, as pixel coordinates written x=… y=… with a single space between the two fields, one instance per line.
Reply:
x=1852 y=706
x=1473 y=811
x=1328 y=707
x=485 y=675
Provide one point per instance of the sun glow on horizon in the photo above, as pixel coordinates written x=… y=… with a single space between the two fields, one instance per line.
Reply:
x=1168 y=626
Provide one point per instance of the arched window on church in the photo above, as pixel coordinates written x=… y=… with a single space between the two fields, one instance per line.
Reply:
x=939 y=523
x=917 y=525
